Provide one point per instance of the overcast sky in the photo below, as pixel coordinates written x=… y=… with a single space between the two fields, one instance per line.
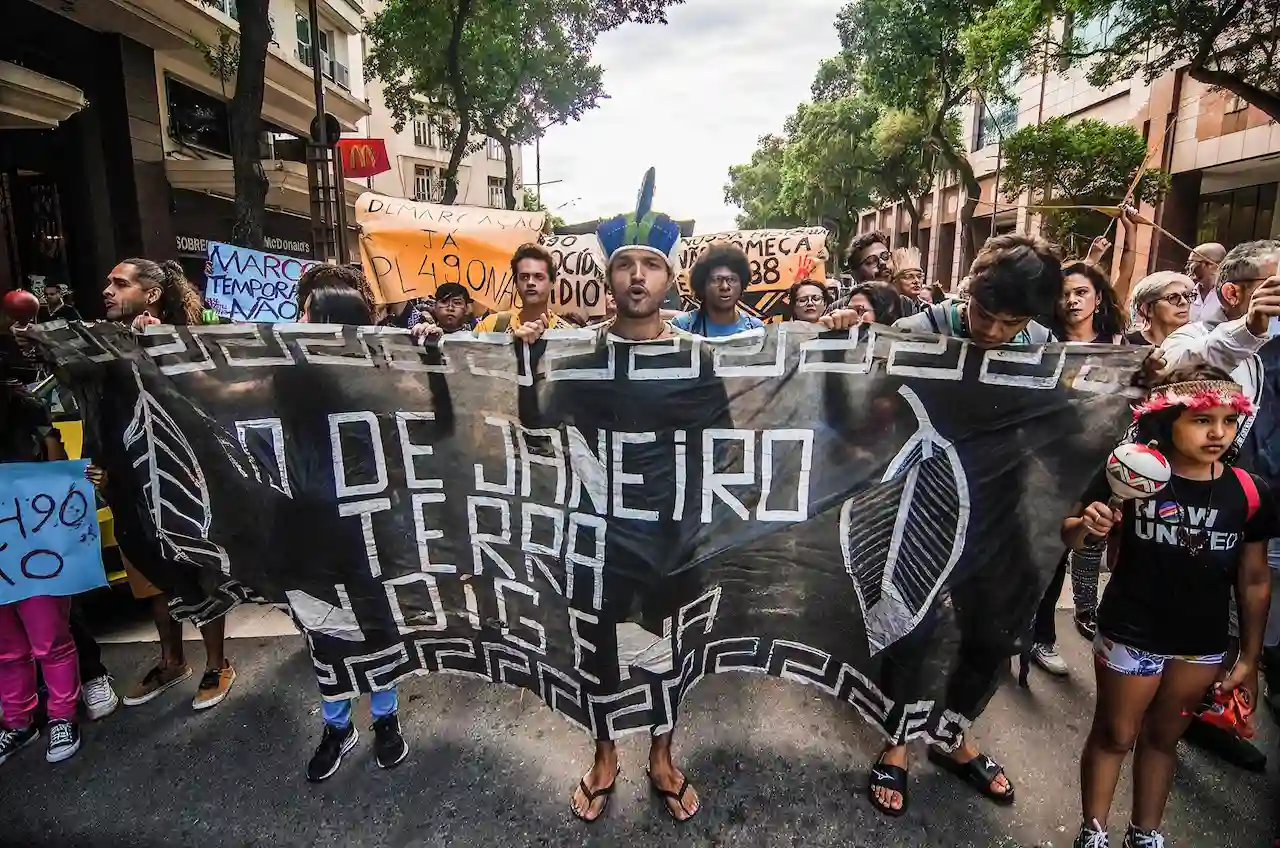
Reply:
x=690 y=98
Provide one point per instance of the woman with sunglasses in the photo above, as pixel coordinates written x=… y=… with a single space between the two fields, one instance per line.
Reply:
x=1162 y=303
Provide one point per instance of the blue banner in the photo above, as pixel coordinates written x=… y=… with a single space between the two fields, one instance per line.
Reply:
x=249 y=285
x=49 y=539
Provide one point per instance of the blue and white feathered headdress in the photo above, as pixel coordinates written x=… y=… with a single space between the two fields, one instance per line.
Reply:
x=643 y=229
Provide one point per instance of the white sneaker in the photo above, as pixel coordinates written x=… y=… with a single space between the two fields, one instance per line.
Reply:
x=100 y=700
x=1046 y=656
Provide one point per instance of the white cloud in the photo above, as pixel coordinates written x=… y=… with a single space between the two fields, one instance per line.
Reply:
x=690 y=98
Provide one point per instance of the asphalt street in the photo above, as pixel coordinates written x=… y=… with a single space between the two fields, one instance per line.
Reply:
x=776 y=764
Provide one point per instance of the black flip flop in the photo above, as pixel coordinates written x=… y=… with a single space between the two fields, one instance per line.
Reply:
x=893 y=778
x=978 y=773
x=605 y=791
x=678 y=797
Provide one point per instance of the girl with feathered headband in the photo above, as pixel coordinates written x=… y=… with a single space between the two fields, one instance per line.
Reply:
x=1163 y=625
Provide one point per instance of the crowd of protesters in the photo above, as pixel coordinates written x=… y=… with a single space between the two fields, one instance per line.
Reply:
x=1184 y=619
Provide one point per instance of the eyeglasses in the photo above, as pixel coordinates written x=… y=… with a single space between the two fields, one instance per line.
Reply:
x=1176 y=298
x=810 y=298
x=725 y=279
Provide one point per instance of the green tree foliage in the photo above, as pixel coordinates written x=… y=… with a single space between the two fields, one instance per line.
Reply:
x=840 y=154
x=1228 y=44
x=504 y=68
x=529 y=202
x=756 y=188
x=1078 y=163
x=909 y=55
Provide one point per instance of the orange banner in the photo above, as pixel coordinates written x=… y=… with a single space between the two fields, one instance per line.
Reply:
x=778 y=259
x=409 y=248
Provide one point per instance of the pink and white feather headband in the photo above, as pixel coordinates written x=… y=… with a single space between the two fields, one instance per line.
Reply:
x=1195 y=394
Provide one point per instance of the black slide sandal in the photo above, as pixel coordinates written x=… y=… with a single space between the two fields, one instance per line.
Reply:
x=893 y=778
x=678 y=797
x=605 y=791
x=978 y=773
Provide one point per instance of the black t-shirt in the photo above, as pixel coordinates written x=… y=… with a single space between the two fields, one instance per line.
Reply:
x=1136 y=338
x=1161 y=598
x=24 y=422
x=65 y=312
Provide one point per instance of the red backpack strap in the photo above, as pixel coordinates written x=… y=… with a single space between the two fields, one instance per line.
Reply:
x=1250 y=490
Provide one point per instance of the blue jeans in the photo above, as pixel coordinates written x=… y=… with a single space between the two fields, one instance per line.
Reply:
x=338 y=713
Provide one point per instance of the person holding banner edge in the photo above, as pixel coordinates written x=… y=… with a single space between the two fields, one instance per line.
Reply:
x=35 y=630
x=534 y=271
x=1013 y=279
x=140 y=293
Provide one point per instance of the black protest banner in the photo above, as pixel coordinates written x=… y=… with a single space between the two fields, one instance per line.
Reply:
x=603 y=522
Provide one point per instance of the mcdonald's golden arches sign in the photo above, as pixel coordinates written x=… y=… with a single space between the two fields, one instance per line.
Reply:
x=363 y=157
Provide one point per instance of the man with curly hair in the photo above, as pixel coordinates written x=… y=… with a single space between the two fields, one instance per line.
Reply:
x=141 y=292
x=717 y=280
x=138 y=293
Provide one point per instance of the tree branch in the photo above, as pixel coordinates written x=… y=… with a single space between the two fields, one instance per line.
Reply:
x=1265 y=100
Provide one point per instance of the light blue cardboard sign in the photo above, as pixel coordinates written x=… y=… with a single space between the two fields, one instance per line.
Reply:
x=252 y=286
x=49 y=538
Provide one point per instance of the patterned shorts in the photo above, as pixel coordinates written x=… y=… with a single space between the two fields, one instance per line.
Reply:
x=1131 y=661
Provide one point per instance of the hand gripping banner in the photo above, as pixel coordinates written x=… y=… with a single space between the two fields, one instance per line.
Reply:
x=598 y=521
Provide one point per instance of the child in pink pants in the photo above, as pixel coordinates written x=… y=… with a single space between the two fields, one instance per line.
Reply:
x=31 y=631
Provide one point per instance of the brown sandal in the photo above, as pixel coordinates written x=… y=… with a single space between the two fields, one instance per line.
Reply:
x=605 y=791
x=678 y=797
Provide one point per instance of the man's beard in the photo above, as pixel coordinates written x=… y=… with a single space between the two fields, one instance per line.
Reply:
x=647 y=310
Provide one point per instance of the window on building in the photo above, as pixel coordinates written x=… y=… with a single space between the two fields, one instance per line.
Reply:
x=1096 y=33
x=303 y=51
x=196 y=118
x=1236 y=103
x=996 y=121
x=1239 y=215
x=227 y=7
x=497 y=192
x=427 y=183
x=493 y=148
x=422 y=132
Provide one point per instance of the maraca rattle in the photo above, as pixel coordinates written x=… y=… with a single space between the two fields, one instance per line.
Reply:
x=1134 y=472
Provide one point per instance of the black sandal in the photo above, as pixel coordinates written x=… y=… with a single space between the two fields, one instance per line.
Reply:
x=678 y=797
x=605 y=791
x=893 y=778
x=980 y=773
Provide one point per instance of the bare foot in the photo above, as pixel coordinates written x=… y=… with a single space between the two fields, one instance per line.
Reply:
x=966 y=752
x=601 y=776
x=896 y=756
x=665 y=777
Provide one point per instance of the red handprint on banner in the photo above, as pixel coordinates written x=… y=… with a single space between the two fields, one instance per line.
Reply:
x=804 y=267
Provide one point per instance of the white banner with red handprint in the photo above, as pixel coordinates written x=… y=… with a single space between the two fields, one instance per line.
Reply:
x=778 y=258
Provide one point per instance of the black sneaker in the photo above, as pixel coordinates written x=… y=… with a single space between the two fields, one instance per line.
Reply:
x=1087 y=626
x=64 y=740
x=1135 y=838
x=13 y=741
x=334 y=745
x=389 y=747
x=1091 y=835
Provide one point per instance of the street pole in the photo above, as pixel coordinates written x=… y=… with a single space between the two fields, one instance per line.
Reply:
x=537 y=165
x=329 y=218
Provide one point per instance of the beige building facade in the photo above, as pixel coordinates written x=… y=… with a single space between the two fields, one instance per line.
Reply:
x=1223 y=157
